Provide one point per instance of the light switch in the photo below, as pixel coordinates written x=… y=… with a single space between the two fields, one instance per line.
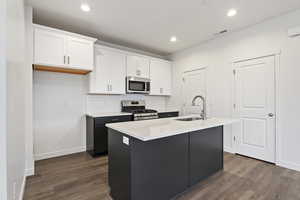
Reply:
x=126 y=140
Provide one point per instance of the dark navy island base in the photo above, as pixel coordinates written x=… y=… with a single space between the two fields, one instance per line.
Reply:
x=163 y=168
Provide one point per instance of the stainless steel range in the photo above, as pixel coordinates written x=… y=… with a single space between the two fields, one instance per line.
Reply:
x=138 y=110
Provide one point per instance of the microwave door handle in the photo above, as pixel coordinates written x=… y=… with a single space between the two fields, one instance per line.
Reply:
x=148 y=87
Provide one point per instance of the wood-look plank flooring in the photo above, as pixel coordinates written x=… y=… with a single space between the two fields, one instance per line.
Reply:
x=80 y=177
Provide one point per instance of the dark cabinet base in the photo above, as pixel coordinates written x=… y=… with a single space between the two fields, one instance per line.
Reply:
x=168 y=114
x=163 y=168
x=206 y=153
x=97 y=133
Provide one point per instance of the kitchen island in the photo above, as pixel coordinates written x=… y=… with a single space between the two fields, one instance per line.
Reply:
x=160 y=159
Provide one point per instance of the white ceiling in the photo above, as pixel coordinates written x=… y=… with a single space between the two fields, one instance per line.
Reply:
x=148 y=24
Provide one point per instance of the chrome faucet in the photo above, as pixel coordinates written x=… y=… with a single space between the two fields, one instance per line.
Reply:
x=203 y=112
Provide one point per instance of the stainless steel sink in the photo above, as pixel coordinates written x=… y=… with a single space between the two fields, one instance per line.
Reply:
x=189 y=119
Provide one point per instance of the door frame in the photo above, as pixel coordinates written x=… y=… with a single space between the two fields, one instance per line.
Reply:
x=191 y=70
x=276 y=56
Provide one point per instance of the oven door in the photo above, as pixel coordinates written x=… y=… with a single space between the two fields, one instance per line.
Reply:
x=138 y=85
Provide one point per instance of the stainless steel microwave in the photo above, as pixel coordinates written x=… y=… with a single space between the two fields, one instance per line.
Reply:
x=137 y=85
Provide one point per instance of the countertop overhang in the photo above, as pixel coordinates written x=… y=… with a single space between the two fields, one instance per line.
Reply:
x=159 y=128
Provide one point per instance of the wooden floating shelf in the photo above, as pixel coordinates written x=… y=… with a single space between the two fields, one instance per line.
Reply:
x=60 y=70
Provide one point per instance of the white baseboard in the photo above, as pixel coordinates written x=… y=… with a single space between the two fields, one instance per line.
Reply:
x=29 y=172
x=229 y=150
x=289 y=165
x=21 y=196
x=64 y=152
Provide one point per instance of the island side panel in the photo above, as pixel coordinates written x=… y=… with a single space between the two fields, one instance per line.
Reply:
x=119 y=173
x=159 y=167
x=206 y=153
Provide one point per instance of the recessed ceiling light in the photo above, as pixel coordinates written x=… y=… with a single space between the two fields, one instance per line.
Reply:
x=173 y=39
x=85 y=7
x=231 y=12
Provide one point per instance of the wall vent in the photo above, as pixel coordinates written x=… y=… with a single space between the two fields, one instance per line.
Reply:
x=294 y=32
x=221 y=32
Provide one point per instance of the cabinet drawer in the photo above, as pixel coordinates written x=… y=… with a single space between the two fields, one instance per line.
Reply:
x=101 y=121
x=168 y=114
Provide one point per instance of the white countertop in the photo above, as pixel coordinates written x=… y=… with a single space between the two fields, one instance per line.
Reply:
x=160 y=128
x=107 y=114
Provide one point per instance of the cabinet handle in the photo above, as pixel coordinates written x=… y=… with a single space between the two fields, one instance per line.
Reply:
x=107 y=88
x=68 y=59
x=271 y=115
x=64 y=59
x=110 y=87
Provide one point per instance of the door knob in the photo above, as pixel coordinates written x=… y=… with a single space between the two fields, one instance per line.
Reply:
x=271 y=115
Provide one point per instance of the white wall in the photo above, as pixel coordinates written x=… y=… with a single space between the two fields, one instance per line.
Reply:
x=28 y=93
x=3 y=131
x=59 y=108
x=16 y=113
x=260 y=40
x=60 y=105
x=108 y=103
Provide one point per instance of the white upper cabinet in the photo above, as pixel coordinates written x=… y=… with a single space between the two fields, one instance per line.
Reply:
x=49 y=48
x=161 y=77
x=60 y=49
x=109 y=74
x=138 y=66
x=80 y=53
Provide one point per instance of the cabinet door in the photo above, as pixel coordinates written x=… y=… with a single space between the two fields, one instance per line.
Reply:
x=99 y=80
x=49 y=48
x=80 y=53
x=160 y=75
x=116 y=63
x=101 y=133
x=138 y=66
x=167 y=79
x=109 y=74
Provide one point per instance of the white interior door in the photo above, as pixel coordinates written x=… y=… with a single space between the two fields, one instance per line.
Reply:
x=255 y=106
x=194 y=83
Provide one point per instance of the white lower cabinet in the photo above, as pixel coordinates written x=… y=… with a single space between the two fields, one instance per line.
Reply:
x=160 y=75
x=108 y=76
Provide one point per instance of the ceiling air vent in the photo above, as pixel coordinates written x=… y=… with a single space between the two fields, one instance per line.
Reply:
x=221 y=32
x=294 y=32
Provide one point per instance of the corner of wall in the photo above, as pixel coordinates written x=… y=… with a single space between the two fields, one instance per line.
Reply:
x=29 y=165
x=3 y=106
x=21 y=195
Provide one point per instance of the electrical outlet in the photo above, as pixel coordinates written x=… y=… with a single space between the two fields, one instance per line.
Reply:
x=126 y=140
